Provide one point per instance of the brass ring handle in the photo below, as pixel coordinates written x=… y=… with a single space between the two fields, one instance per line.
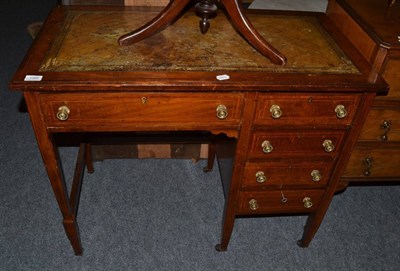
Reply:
x=222 y=112
x=341 y=111
x=328 y=145
x=260 y=177
x=253 y=205
x=368 y=165
x=266 y=146
x=386 y=125
x=316 y=175
x=276 y=111
x=307 y=203
x=63 y=113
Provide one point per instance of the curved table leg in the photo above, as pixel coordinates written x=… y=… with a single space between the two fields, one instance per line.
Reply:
x=238 y=19
x=243 y=25
x=162 y=20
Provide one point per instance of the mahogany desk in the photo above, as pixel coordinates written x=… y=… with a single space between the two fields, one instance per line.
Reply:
x=287 y=131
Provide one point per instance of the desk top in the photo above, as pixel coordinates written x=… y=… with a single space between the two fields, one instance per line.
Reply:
x=78 y=46
x=182 y=47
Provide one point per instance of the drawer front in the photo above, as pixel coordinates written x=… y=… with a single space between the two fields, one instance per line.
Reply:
x=159 y=110
x=278 y=201
x=309 y=144
x=273 y=174
x=381 y=125
x=374 y=163
x=303 y=110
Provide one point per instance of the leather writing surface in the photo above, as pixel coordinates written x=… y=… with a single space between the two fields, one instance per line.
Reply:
x=182 y=47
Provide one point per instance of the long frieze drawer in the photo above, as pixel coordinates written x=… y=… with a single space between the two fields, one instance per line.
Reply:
x=374 y=164
x=312 y=109
x=279 y=201
x=381 y=125
x=273 y=174
x=164 y=109
x=304 y=143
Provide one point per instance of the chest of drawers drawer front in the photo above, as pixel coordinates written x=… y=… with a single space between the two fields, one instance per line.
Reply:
x=302 y=143
x=285 y=201
x=381 y=125
x=276 y=174
x=306 y=109
x=374 y=163
x=142 y=109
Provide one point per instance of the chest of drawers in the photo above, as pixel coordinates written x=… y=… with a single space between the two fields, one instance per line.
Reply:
x=373 y=27
x=282 y=135
x=293 y=149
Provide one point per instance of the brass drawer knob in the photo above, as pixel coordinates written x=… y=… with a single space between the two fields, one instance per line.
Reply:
x=222 y=112
x=328 y=145
x=276 y=111
x=341 y=111
x=266 y=146
x=253 y=205
x=307 y=203
x=316 y=175
x=260 y=177
x=63 y=113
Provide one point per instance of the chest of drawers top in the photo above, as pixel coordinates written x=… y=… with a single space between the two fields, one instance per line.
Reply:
x=378 y=19
x=77 y=49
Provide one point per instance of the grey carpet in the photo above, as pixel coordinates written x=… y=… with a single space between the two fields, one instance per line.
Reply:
x=162 y=214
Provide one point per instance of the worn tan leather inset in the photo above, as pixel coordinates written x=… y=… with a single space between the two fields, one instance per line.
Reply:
x=88 y=42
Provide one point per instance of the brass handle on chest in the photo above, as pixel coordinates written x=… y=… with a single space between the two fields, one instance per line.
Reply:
x=253 y=205
x=260 y=177
x=63 y=113
x=316 y=175
x=386 y=125
x=328 y=145
x=276 y=111
x=307 y=203
x=222 y=112
x=341 y=111
x=266 y=146
x=368 y=165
